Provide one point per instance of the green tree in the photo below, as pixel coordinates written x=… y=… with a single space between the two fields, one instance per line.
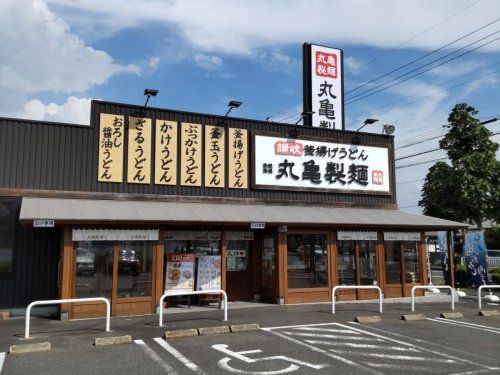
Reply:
x=467 y=189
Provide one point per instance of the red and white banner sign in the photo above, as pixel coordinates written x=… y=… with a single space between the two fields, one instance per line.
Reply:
x=306 y=164
x=326 y=87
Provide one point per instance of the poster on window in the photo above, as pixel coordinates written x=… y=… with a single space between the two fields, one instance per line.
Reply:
x=180 y=272
x=302 y=164
x=209 y=273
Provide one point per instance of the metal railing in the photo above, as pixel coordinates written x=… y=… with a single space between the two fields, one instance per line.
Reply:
x=431 y=287
x=61 y=301
x=174 y=293
x=380 y=295
x=479 y=290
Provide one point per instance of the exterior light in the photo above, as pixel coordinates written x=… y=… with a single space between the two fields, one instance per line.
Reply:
x=368 y=121
x=304 y=114
x=388 y=129
x=149 y=93
x=233 y=104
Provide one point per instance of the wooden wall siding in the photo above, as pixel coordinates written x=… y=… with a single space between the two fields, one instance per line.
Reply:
x=34 y=274
x=52 y=156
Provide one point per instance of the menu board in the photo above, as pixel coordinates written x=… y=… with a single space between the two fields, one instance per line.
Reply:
x=209 y=273
x=180 y=272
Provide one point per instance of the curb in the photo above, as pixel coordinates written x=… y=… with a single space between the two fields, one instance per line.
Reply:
x=411 y=317
x=489 y=313
x=244 y=327
x=368 y=319
x=29 y=348
x=115 y=340
x=452 y=315
x=213 y=330
x=181 y=333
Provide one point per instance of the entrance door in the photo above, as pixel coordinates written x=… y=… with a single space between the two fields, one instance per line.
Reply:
x=121 y=272
x=239 y=284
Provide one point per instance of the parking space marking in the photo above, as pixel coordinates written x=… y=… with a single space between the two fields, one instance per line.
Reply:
x=322 y=351
x=466 y=325
x=360 y=346
x=401 y=367
x=327 y=336
x=2 y=359
x=473 y=324
x=155 y=357
x=425 y=348
x=333 y=330
x=179 y=356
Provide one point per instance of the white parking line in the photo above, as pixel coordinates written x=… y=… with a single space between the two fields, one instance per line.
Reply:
x=326 y=336
x=155 y=357
x=423 y=348
x=392 y=356
x=332 y=330
x=462 y=324
x=2 y=359
x=319 y=350
x=178 y=355
x=361 y=346
x=471 y=324
x=401 y=367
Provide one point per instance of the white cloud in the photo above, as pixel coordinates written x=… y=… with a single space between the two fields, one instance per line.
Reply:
x=153 y=62
x=74 y=110
x=39 y=52
x=208 y=62
x=243 y=27
x=353 y=65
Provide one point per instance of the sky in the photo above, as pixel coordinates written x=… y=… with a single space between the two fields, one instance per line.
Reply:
x=58 y=55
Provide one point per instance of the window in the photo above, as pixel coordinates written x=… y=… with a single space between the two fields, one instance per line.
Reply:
x=402 y=256
x=8 y=212
x=135 y=264
x=94 y=269
x=237 y=255
x=307 y=261
x=412 y=261
x=356 y=263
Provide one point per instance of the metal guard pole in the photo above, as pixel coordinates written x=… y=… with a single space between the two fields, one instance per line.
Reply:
x=430 y=287
x=60 y=301
x=379 y=291
x=480 y=291
x=188 y=293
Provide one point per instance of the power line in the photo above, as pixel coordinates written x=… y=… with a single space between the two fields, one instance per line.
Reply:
x=422 y=57
x=416 y=36
x=407 y=182
x=368 y=93
x=420 y=163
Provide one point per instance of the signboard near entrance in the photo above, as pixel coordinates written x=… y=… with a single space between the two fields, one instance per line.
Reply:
x=180 y=272
x=303 y=164
x=209 y=273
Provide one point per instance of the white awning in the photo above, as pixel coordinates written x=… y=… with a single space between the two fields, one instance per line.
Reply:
x=112 y=211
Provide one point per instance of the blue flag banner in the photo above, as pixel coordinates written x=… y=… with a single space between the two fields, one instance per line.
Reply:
x=443 y=254
x=475 y=258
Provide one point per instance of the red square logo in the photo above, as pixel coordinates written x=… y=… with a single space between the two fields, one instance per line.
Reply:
x=377 y=177
x=326 y=64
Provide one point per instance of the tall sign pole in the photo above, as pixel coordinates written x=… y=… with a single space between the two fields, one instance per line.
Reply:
x=323 y=85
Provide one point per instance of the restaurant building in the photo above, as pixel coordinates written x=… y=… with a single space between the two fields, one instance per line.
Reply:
x=146 y=199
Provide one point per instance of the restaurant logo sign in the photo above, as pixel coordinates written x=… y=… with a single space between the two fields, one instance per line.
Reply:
x=307 y=164
x=324 y=87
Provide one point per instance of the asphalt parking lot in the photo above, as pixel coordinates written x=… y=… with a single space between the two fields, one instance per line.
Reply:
x=304 y=339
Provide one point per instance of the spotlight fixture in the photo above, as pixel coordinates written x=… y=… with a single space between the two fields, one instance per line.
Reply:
x=368 y=121
x=149 y=93
x=304 y=114
x=388 y=129
x=233 y=104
